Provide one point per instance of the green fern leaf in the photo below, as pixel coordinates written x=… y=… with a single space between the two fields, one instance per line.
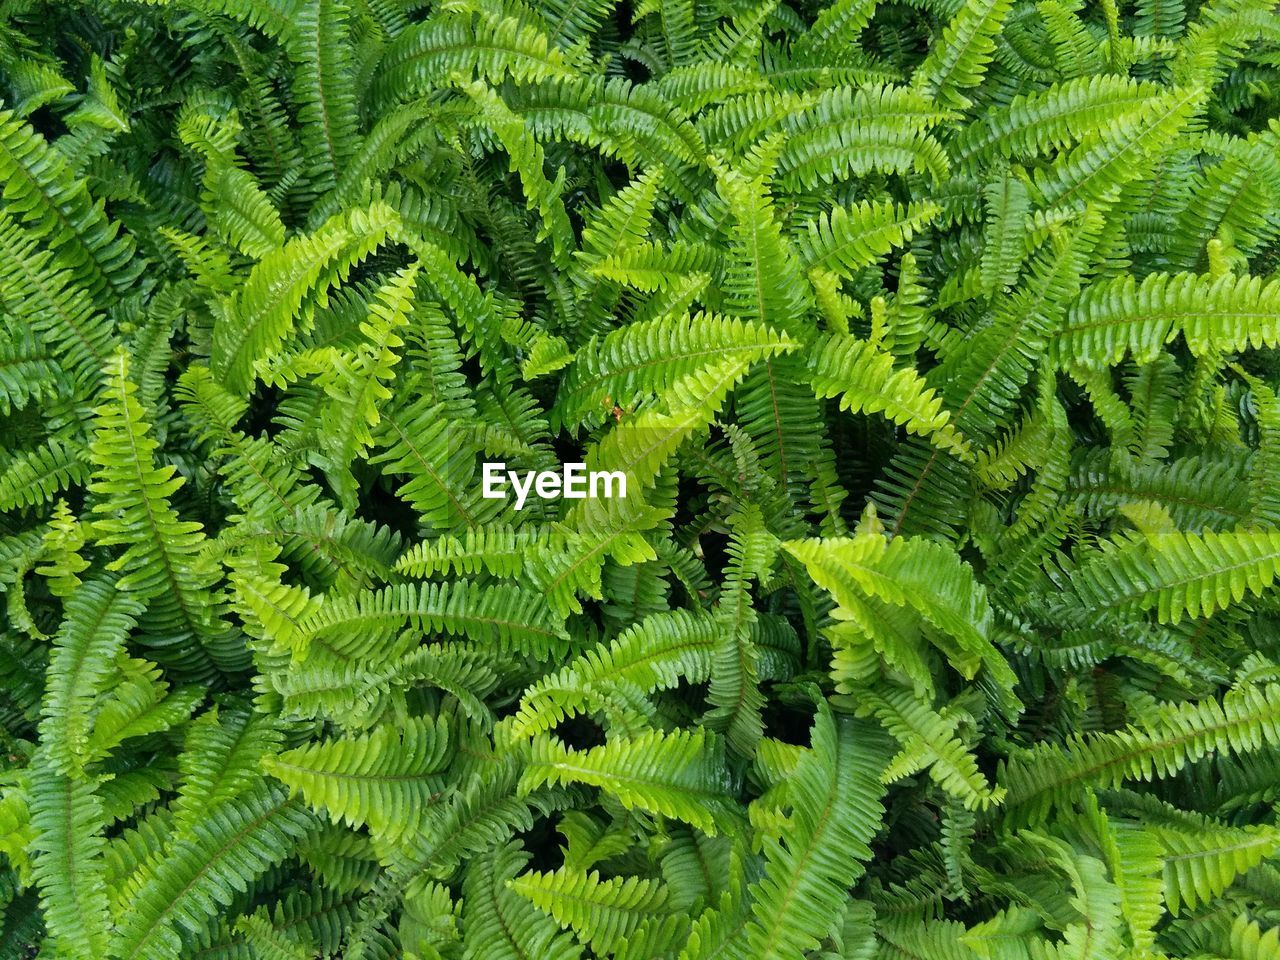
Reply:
x=680 y=774
x=381 y=780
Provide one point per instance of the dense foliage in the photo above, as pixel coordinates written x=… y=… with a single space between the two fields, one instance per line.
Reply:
x=935 y=339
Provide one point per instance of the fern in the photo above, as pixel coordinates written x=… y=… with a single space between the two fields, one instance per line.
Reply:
x=603 y=912
x=1121 y=317
x=917 y=364
x=257 y=319
x=159 y=558
x=959 y=58
x=679 y=775
x=380 y=780
x=835 y=795
x=204 y=870
x=1181 y=575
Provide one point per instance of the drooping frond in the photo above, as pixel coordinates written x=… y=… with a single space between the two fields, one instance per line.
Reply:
x=864 y=379
x=651 y=655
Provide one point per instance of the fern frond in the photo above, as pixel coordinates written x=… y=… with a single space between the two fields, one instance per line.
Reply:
x=98 y=619
x=357 y=383
x=437 y=456
x=502 y=614
x=499 y=923
x=259 y=317
x=241 y=212
x=1122 y=316
x=381 y=780
x=959 y=57
x=929 y=739
x=680 y=774
x=324 y=86
x=497 y=550
x=427 y=53
x=835 y=793
x=1051 y=119
x=1199 y=864
x=603 y=913
x=133 y=510
x=221 y=758
x=853 y=237
x=69 y=825
x=527 y=160
x=1100 y=164
x=45 y=196
x=984 y=378
x=35 y=476
x=864 y=379
x=1158 y=745
x=735 y=672
x=916 y=573
x=651 y=655
x=1180 y=574
x=646 y=358
x=37 y=289
x=201 y=872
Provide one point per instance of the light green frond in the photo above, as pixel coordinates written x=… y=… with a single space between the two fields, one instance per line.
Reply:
x=1113 y=158
x=501 y=924
x=1180 y=574
x=258 y=318
x=494 y=549
x=835 y=792
x=849 y=238
x=915 y=573
x=504 y=615
x=929 y=740
x=680 y=774
x=602 y=913
x=1123 y=316
x=381 y=780
x=646 y=359
x=651 y=655
x=427 y=53
x=864 y=379
x=1199 y=864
